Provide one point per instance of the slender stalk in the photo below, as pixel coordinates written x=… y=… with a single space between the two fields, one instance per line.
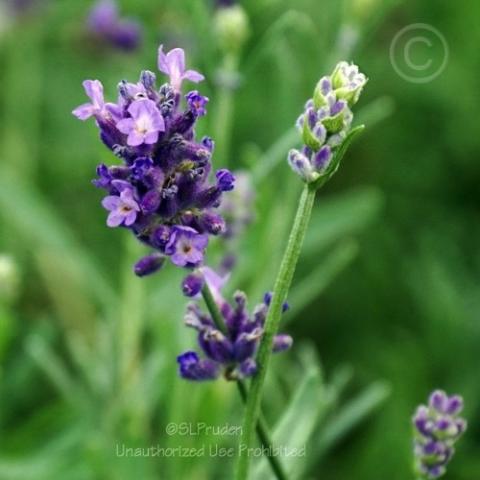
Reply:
x=261 y=424
x=224 y=114
x=280 y=291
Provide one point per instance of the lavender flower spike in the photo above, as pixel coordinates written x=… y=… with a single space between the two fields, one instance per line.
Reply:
x=234 y=351
x=165 y=191
x=173 y=64
x=437 y=426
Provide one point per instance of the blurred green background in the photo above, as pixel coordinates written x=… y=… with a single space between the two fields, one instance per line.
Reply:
x=385 y=301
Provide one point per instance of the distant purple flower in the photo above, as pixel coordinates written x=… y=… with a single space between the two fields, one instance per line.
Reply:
x=105 y=23
x=238 y=207
x=173 y=65
x=127 y=35
x=233 y=351
x=186 y=246
x=144 y=125
x=123 y=209
x=197 y=103
x=438 y=426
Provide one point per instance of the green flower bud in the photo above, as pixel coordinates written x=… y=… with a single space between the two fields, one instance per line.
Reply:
x=348 y=82
x=232 y=27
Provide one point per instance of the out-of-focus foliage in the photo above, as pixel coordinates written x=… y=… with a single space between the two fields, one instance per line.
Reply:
x=386 y=293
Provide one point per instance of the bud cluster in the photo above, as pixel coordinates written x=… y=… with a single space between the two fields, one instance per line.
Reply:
x=326 y=122
x=438 y=426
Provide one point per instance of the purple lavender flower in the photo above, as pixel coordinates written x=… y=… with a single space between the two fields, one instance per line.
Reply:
x=123 y=209
x=186 y=246
x=104 y=23
x=162 y=192
x=197 y=103
x=144 y=124
x=325 y=122
x=97 y=108
x=232 y=352
x=437 y=426
x=173 y=65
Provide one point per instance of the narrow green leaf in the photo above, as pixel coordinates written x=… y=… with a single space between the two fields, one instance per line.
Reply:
x=348 y=417
x=310 y=287
x=342 y=215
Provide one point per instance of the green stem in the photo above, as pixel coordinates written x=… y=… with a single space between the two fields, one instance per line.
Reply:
x=280 y=291
x=224 y=113
x=261 y=424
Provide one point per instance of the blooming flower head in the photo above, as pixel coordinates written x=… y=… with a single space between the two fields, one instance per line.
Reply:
x=164 y=190
x=437 y=427
x=173 y=65
x=326 y=122
x=231 y=352
x=144 y=123
x=123 y=209
x=186 y=246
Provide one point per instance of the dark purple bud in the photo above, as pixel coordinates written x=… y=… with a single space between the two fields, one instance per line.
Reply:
x=149 y=264
x=337 y=107
x=438 y=400
x=312 y=118
x=183 y=123
x=248 y=368
x=160 y=236
x=454 y=405
x=282 y=342
x=210 y=197
x=104 y=177
x=147 y=79
x=225 y=180
x=193 y=151
x=208 y=143
x=192 y=368
x=322 y=158
x=216 y=345
x=267 y=298
x=212 y=223
x=246 y=344
x=150 y=201
x=192 y=284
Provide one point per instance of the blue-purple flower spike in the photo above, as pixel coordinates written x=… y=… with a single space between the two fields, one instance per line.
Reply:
x=437 y=428
x=162 y=192
x=231 y=353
